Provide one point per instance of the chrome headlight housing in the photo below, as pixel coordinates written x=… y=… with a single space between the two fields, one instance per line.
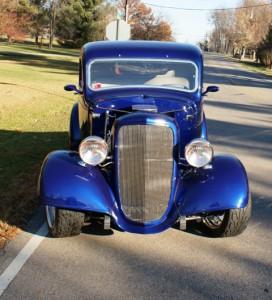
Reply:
x=93 y=150
x=198 y=153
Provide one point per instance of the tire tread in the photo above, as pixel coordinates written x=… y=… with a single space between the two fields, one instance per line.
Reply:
x=234 y=223
x=237 y=220
x=67 y=223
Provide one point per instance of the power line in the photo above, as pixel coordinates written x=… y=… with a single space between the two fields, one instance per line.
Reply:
x=207 y=9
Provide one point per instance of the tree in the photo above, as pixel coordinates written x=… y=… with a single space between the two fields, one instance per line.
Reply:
x=144 y=25
x=39 y=20
x=81 y=21
x=223 y=35
x=204 y=44
x=15 y=19
x=252 y=24
x=264 y=52
x=162 y=31
x=52 y=21
x=241 y=29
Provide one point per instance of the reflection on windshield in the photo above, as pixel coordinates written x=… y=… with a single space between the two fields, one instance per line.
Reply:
x=163 y=73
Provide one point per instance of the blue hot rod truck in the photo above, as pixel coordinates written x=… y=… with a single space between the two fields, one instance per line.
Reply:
x=139 y=154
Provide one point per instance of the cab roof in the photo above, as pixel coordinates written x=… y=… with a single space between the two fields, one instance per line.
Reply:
x=141 y=49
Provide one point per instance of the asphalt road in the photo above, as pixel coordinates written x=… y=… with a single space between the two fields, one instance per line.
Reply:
x=175 y=264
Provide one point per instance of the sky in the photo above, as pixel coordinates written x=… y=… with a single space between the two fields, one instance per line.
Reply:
x=189 y=26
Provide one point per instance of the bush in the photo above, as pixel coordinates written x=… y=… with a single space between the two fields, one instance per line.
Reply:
x=264 y=52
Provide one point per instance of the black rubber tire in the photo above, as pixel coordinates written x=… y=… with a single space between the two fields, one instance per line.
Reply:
x=234 y=223
x=67 y=223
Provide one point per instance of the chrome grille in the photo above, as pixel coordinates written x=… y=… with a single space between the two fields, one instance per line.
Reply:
x=145 y=163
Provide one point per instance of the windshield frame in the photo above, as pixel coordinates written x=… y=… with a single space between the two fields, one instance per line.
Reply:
x=144 y=59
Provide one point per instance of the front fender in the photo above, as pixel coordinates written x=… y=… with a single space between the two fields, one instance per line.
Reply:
x=66 y=182
x=221 y=185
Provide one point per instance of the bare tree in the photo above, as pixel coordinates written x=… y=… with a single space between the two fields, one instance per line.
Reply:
x=222 y=37
x=242 y=29
x=252 y=25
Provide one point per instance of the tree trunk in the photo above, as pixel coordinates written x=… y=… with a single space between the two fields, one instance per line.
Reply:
x=243 y=53
x=52 y=23
x=37 y=39
x=228 y=47
x=9 y=39
x=254 y=56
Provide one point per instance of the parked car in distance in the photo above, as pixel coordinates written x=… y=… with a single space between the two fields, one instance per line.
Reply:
x=139 y=154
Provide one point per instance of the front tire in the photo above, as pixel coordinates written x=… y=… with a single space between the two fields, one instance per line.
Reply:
x=62 y=222
x=229 y=223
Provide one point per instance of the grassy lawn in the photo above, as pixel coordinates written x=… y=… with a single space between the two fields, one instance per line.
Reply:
x=34 y=118
x=256 y=67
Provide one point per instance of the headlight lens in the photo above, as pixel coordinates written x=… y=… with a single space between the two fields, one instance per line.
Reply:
x=93 y=150
x=198 y=153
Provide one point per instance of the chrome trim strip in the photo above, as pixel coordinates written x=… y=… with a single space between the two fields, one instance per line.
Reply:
x=88 y=74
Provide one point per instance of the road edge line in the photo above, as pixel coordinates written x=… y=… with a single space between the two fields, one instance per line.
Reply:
x=21 y=258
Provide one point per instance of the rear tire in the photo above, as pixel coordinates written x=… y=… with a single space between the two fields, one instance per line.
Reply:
x=62 y=222
x=234 y=222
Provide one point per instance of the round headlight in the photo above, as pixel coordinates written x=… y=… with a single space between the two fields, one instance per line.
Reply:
x=198 y=153
x=93 y=150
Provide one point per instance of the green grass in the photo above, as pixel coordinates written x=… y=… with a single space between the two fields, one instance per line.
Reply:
x=31 y=48
x=34 y=118
x=257 y=67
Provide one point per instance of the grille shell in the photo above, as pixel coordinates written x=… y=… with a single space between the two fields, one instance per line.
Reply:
x=145 y=170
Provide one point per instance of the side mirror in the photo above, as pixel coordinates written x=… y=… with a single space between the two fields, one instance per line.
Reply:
x=71 y=88
x=211 y=89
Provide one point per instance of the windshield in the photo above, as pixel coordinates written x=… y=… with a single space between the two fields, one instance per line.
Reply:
x=114 y=73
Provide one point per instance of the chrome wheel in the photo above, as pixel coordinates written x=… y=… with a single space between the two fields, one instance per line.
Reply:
x=50 y=215
x=214 y=221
